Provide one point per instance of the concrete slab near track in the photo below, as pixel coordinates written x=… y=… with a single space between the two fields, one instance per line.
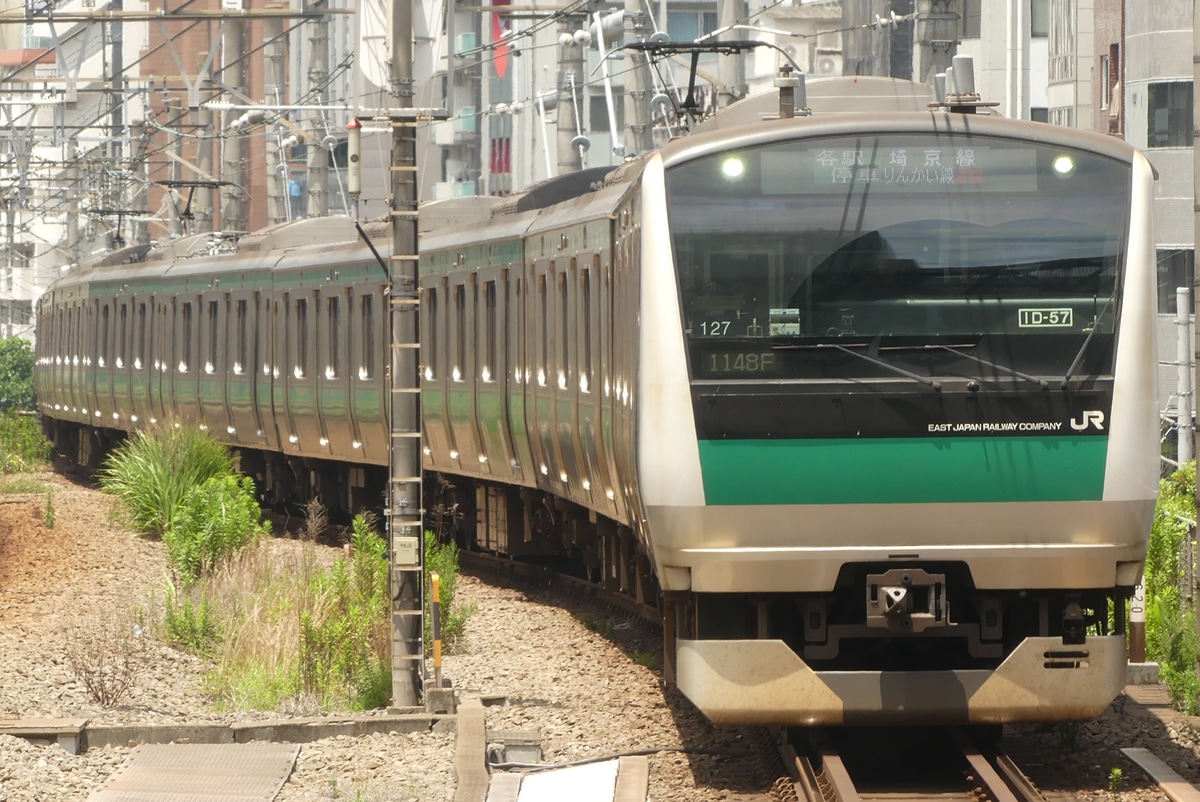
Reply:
x=618 y=780
x=251 y=772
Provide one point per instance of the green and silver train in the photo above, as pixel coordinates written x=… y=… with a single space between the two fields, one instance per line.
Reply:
x=862 y=404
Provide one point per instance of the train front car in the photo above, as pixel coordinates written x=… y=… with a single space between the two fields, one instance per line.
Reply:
x=900 y=467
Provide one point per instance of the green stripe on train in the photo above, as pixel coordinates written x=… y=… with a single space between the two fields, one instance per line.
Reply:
x=903 y=470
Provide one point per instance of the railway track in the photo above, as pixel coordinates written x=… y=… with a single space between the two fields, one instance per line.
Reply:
x=897 y=764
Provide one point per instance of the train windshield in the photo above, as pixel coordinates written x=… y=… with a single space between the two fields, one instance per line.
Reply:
x=973 y=251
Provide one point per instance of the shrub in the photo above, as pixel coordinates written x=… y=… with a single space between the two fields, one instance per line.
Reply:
x=107 y=652
x=212 y=521
x=345 y=631
x=1171 y=638
x=443 y=559
x=16 y=375
x=190 y=621
x=153 y=470
x=22 y=445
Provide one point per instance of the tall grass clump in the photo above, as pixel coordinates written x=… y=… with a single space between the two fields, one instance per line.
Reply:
x=300 y=632
x=1171 y=638
x=345 y=632
x=23 y=447
x=153 y=470
x=443 y=559
x=213 y=520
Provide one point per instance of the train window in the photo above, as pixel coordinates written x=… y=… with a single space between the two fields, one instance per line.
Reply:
x=585 y=346
x=368 y=336
x=185 y=363
x=491 y=332
x=460 y=331
x=122 y=335
x=242 y=322
x=544 y=344
x=434 y=340
x=139 y=355
x=514 y=313
x=564 y=331
x=301 y=329
x=103 y=345
x=334 y=367
x=210 y=358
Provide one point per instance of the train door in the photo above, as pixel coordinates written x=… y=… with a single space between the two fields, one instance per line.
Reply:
x=139 y=366
x=332 y=377
x=210 y=389
x=461 y=379
x=102 y=414
x=268 y=391
x=573 y=472
x=589 y=391
x=239 y=369
x=185 y=387
x=435 y=404
x=518 y=375
x=366 y=343
x=299 y=387
x=160 y=364
x=606 y=389
x=491 y=412
x=123 y=370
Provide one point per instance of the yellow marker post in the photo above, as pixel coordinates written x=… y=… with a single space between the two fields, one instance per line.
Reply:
x=435 y=596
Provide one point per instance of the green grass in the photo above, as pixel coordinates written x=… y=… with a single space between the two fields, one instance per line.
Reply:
x=22 y=484
x=22 y=445
x=153 y=470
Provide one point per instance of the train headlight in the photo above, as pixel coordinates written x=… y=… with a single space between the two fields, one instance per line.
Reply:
x=733 y=168
x=1063 y=165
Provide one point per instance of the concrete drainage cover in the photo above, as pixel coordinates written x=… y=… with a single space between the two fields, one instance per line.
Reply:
x=201 y=773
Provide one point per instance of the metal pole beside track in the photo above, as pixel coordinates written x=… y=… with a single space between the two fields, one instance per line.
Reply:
x=404 y=516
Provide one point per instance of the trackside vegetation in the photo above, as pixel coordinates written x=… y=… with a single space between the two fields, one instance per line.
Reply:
x=1171 y=637
x=289 y=629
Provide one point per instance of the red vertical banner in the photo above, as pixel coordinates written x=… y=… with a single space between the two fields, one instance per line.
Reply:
x=499 y=42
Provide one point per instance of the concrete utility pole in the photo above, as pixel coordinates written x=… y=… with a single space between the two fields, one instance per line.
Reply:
x=1183 y=386
x=138 y=133
x=318 y=154
x=571 y=96
x=233 y=167
x=273 y=78
x=638 y=134
x=937 y=37
x=731 y=70
x=203 y=213
x=404 y=513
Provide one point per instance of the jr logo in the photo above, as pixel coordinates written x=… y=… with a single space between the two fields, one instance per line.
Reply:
x=1090 y=417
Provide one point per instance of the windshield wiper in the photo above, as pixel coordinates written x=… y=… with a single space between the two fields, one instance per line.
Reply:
x=1045 y=385
x=1086 y=342
x=874 y=360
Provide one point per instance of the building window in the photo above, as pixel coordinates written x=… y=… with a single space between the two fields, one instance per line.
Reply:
x=1175 y=270
x=1105 y=81
x=1039 y=17
x=972 y=19
x=598 y=112
x=1064 y=116
x=1169 y=123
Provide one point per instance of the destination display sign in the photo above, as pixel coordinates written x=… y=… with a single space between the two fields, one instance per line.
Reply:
x=898 y=168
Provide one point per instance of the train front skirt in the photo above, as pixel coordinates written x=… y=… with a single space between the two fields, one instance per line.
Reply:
x=765 y=682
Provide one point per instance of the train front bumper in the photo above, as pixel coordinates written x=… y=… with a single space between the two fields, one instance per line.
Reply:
x=765 y=682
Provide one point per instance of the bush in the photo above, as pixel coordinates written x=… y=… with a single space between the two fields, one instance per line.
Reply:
x=190 y=622
x=212 y=521
x=345 y=632
x=16 y=375
x=153 y=470
x=22 y=445
x=107 y=652
x=443 y=559
x=1171 y=638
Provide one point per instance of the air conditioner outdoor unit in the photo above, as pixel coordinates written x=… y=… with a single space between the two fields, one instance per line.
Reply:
x=828 y=64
